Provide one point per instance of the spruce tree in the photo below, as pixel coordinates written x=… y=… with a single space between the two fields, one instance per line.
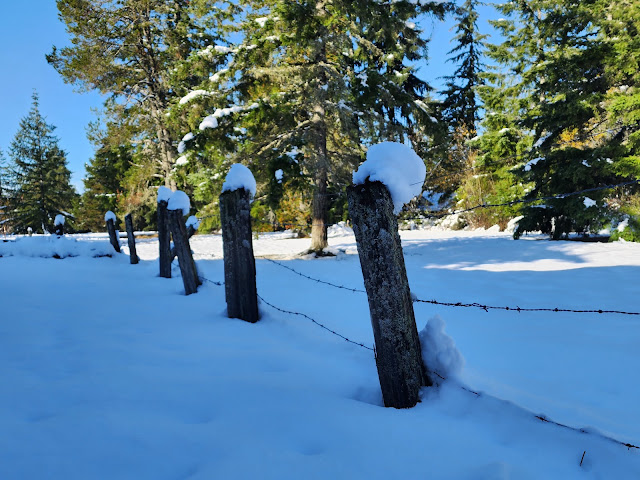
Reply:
x=40 y=179
x=308 y=87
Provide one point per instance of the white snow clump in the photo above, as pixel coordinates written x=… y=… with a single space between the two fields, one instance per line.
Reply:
x=182 y=145
x=193 y=221
x=588 y=202
x=239 y=176
x=398 y=167
x=279 y=174
x=164 y=194
x=109 y=216
x=59 y=220
x=179 y=201
x=439 y=352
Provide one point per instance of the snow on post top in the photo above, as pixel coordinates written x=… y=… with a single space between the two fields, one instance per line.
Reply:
x=59 y=220
x=238 y=177
x=109 y=216
x=398 y=167
x=179 y=201
x=193 y=221
x=164 y=194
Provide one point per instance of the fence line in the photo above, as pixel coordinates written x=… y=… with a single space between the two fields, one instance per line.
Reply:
x=486 y=308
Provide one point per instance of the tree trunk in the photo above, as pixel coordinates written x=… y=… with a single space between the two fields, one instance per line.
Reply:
x=164 y=240
x=398 y=354
x=239 y=263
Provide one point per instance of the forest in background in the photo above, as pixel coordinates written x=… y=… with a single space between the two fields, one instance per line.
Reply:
x=298 y=90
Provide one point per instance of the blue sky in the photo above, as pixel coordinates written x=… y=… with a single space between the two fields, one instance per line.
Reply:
x=29 y=30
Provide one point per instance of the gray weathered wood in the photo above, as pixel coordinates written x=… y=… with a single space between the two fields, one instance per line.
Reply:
x=113 y=236
x=164 y=240
x=239 y=263
x=398 y=355
x=183 y=252
x=133 y=256
x=59 y=230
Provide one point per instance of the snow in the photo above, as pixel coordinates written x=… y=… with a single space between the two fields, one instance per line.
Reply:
x=222 y=49
x=261 y=21
x=211 y=121
x=439 y=352
x=59 y=220
x=183 y=160
x=278 y=174
x=531 y=163
x=398 y=167
x=114 y=373
x=588 y=202
x=238 y=177
x=193 y=221
x=192 y=95
x=183 y=143
x=622 y=225
x=179 y=201
x=109 y=216
x=46 y=246
x=164 y=194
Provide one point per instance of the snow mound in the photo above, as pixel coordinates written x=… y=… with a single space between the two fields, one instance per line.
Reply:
x=109 y=216
x=179 y=201
x=238 y=177
x=340 y=229
x=439 y=352
x=55 y=247
x=279 y=174
x=193 y=221
x=59 y=220
x=398 y=167
x=164 y=194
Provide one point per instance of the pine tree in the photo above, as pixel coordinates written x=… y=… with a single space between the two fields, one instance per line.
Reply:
x=308 y=87
x=460 y=105
x=40 y=178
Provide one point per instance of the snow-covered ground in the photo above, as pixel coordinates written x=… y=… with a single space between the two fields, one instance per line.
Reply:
x=110 y=372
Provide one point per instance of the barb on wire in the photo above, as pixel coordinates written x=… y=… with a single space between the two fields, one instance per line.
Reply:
x=205 y=279
x=486 y=308
x=304 y=315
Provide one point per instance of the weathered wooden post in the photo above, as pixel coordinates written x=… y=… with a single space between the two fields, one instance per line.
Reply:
x=177 y=207
x=164 y=233
x=58 y=225
x=239 y=263
x=133 y=256
x=110 y=218
x=398 y=354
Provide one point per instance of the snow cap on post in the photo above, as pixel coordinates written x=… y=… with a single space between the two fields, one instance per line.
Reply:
x=193 y=222
x=239 y=177
x=398 y=167
x=59 y=220
x=179 y=201
x=164 y=194
x=109 y=216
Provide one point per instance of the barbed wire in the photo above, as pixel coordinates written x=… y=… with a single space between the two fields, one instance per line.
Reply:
x=481 y=306
x=541 y=417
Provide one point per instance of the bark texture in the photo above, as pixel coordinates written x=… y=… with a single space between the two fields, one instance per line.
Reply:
x=183 y=251
x=113 y=236
x=398 y=355
x=133 y=255
x=239 y=263
x=164 y=240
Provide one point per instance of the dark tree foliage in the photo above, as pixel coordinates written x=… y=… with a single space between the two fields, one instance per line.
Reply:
x=40 y=185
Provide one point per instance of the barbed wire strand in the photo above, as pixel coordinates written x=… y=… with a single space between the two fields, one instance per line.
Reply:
x=543 y=418
x=481 y=306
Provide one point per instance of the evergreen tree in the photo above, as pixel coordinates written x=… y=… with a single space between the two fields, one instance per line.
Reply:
x=309 y=86
x=130 y=50
x=39 y=175
x=460 y=105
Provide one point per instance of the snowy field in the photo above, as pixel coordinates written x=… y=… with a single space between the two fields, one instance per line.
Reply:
x=110 y=372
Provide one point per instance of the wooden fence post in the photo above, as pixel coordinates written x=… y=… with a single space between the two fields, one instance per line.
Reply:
x=133 y=256
x=58 y=225
x=183 y=251
x=110 y=218
x=164 y=236
x=239 y=263
x=398 y=355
